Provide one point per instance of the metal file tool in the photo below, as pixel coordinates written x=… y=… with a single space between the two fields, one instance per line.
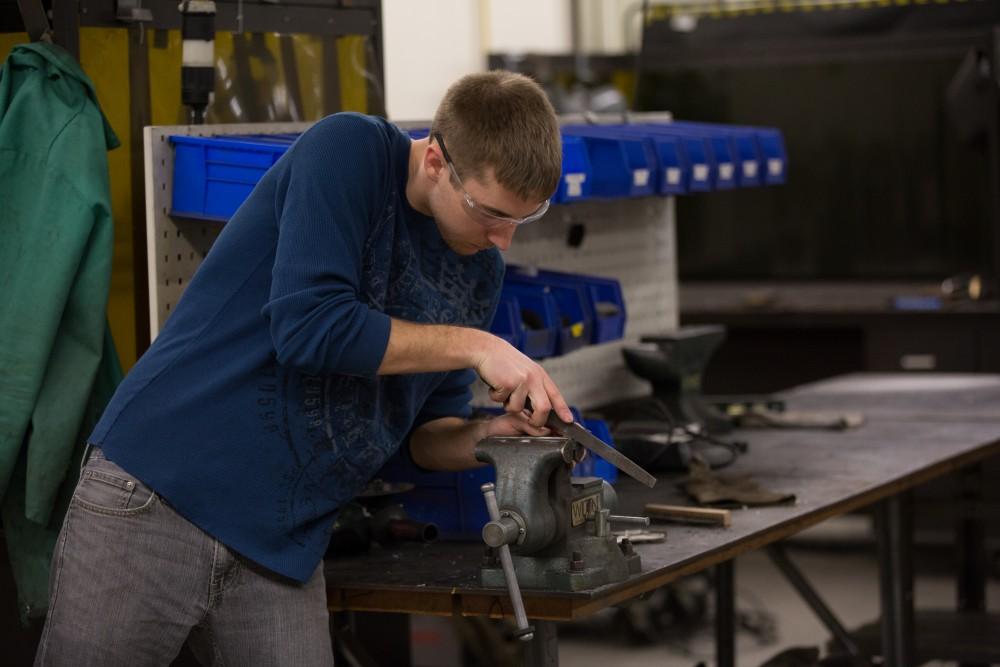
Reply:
x=580 y=434
x=576 y=431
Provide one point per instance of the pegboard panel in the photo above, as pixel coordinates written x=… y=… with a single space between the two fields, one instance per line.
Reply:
x=176 y=246
x=632 y=240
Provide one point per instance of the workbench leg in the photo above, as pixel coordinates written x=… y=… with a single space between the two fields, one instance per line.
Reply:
x=971 y=540
x=894 y=528
x=725 y=614
x=798 y=580
x=543 y=649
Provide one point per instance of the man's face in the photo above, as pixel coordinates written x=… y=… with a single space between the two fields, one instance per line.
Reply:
x=471 y=213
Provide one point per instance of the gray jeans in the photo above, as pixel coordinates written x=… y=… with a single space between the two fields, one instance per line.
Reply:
x=132 y=581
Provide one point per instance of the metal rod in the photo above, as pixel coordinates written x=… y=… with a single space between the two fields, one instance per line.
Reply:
x=798 y=580
x=629 y=520
x=894 y=532
x=725 y=614
x=524 y=630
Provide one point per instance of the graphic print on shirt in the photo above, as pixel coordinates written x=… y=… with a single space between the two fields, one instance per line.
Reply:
x=340 y=429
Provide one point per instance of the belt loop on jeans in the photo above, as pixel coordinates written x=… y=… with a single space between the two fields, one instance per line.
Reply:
x=83 y=461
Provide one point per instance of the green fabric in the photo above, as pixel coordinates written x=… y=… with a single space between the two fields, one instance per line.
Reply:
x=55 y=270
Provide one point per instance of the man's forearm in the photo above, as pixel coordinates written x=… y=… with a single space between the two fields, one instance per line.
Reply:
x=447 y=444
x=428 y=348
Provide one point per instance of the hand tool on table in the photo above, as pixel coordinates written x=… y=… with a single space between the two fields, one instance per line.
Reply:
x=711 y=515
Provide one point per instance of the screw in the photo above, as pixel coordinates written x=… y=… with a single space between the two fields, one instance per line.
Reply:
x=489 y=558
x=576 y=562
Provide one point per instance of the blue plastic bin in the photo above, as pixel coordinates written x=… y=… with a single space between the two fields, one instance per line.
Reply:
x=772 y=145
x=213 y=176
x=672 y=173
x=540 y=317
x=575 y=324
x=575 y=181
x=621 y=165
x=507 y=321
x=604 y=302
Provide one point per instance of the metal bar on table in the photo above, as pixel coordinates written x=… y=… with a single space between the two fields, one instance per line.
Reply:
x=894 y=532
x=798 y=580
x=725 y=614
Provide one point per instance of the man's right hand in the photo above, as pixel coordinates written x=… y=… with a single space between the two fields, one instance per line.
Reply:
x=513 y=378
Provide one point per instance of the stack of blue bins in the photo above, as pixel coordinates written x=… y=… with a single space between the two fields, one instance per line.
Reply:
x=454 y=501
x=214 y=175
x=632 y=160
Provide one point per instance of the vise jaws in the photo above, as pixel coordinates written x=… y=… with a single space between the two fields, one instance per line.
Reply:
x=548 y=530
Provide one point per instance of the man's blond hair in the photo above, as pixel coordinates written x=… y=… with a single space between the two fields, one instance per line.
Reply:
x=502 y=120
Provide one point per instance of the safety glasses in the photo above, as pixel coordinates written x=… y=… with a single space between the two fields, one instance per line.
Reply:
x=485 y=215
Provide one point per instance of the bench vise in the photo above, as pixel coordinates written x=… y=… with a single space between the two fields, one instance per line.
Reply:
x=548 y=530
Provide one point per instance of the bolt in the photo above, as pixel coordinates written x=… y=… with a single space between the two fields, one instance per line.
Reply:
x=489 y=557
x=626 y=546
x=576 y=562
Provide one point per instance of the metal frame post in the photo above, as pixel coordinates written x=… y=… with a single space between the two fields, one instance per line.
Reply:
x=725 y=614
x=794 y=575
x=894 y=532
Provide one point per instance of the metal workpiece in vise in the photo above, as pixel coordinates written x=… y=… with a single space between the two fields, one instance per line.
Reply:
x=548 y=530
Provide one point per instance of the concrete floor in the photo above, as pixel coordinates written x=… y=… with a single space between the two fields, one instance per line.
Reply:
x=848 y=582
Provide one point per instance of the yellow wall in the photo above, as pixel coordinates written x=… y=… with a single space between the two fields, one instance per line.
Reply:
x=8 y=40
x=104 y=57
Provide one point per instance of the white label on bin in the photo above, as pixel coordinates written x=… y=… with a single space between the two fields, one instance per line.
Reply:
x=574 y=184
x=701 y=172
x=774 y=166
x=725 y=171
x=673 y=176
x=749 y=168
x=640 y=177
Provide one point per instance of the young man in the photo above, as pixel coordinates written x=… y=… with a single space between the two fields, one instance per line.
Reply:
x=334 y=319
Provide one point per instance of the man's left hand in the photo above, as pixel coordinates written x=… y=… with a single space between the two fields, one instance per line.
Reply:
x=514 y=424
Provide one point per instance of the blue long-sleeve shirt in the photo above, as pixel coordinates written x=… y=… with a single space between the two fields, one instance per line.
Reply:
x=257 y=411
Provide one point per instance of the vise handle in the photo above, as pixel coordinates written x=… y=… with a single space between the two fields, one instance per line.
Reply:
x=497 y=531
